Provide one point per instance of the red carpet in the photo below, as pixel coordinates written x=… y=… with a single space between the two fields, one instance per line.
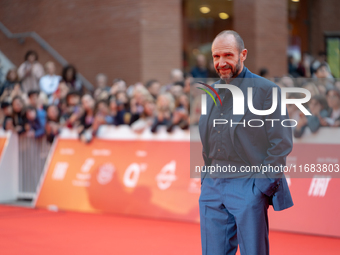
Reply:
x=33 y=231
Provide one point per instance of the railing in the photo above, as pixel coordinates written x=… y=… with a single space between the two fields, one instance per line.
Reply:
x=45 y=46
x=32 y=156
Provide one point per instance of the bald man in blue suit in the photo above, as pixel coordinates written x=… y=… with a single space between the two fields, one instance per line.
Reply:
x=233 y=206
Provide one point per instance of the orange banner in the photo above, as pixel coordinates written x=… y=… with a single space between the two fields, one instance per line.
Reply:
x=152 y=178
x=145 y=178
x=316 y=199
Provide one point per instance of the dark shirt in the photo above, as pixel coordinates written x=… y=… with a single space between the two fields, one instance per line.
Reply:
x=197 y=72
x=7 y=85
x=119 y=118
x=220 y=144
x=6 y=119
x=38 y=124
x=18 y=121
x=86 y=121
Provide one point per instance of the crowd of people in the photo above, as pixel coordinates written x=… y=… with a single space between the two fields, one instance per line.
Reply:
x=37 y=102
x=314 y=74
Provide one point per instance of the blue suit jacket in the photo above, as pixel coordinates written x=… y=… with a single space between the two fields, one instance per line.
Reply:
x=264 y=145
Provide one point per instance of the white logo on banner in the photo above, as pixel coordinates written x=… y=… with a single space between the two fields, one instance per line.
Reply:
x=132 y=173
x=83 y=178
x=66 y=151
x=59 y=171
x=166 y=176
x=318 y=186
x=87 y=165
x=105 y=173
x=195 y=185
x=101 y=152
x=141 y=153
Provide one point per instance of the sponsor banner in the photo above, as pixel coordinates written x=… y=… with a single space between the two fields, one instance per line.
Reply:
x=150 y=177
x=315 y=211
x=141 y=177
x=316 y=200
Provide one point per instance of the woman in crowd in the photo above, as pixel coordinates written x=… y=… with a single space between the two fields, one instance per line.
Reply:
x=118 y=85
x=11 y=79
x=73 y=109
x=9 y=94
x=140 y=94
x=147 y=117
x=102 y=116
x=17 y=91
x=53 y=125
x=153 y=86
x=30 y=72
x=7 y=123
x=18 y=114
x=69 y=75
x=165 y=106
x=181 y=114
x=86 y=118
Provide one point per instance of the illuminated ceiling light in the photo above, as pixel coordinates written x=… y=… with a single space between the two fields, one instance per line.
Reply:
x=223 y=15
x=204 y=9
x=295 y=1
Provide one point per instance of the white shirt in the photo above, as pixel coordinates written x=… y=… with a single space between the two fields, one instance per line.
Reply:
x=49 y=83
x=335 y=114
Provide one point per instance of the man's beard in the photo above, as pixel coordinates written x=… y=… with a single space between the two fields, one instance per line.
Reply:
x=233 y=71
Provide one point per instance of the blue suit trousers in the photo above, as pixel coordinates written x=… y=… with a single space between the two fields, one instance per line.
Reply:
x=233 y=212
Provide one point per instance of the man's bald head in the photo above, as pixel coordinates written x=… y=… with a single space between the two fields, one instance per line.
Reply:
x=228 y=53
x=238 y=38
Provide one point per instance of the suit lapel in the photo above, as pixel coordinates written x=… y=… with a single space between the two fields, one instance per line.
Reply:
x=247 y=82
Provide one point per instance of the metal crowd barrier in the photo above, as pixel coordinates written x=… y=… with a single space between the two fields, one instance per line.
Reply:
x=32 y=156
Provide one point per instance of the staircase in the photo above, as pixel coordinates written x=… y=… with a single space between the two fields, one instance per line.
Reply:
x=5 y=65
x=22 y=42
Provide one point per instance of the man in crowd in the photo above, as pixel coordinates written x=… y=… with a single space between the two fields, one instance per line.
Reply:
x=30 y=72
x=200 y=70
x=49 y=82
